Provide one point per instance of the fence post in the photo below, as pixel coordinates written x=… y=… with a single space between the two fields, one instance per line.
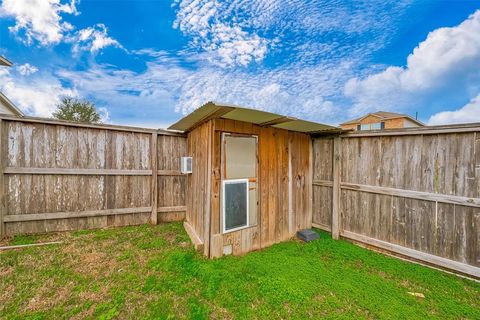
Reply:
x=154 y=143
x=336 y=204
x=3 y=149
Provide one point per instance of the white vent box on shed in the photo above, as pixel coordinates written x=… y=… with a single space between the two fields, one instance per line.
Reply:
x=186 y=165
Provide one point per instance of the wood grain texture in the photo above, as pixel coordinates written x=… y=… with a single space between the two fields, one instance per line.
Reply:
x=285 y=188
x=77 y=214
x=322 y=179
x=3 y=196
x=94 y=176
x=336 y=201
x=415 y=254
x=197 y=241
x=77 y=172
x=154 y=180
x=171 y=184
x=419 y=195
x=197 y=181
x=427 y=130
x=302 y=193
x=244 y=240
x=416 y=191
x=208 y=188
x=53 y=122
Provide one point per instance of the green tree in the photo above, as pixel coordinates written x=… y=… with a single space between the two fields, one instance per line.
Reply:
x=77 y=110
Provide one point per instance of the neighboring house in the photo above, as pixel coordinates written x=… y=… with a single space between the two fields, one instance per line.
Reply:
x=381 y=120
x=7 y=106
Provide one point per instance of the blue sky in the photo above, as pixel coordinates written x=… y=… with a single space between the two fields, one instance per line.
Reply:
x=147 y=63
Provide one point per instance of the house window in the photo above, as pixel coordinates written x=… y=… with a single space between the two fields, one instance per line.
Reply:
x=372 y=126
x=365 y=127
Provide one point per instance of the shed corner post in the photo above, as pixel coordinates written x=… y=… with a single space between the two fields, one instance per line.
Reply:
x=336 y=194
x=208 y=204
x=154 y=184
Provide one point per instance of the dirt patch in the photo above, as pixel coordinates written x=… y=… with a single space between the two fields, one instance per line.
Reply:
x=6 y=272
x=84 y=314
x=95 y=264
x=94 y=296
x=220 y=313
x=49 y=295
x=319 y=298
x=92 y=260
x=405 y=283
x=6 y=295
x=358 y=263
x=170 y=236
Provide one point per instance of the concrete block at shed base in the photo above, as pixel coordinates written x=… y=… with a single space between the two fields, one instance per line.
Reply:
x=307 y=235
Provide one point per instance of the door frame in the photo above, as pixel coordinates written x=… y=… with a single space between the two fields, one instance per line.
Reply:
x=223 y=180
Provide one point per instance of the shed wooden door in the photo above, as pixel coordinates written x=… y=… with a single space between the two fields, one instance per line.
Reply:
x=239 y=169
x=236 y=159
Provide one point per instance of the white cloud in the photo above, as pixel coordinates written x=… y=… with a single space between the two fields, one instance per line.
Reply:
x=449 y=59
x=309 y=77
x=104 y=114
x=40 y=95
x=295 y=90
x=39 y=19
x=37 y=97
x=228 y=42
x=26 y=69
x=131 y=97
x=42 y=21
x=316 y=47
x=92 y=39
x=468 y=113
x=169 y=84
x=239 y=32
x=155 y=123
x=233 y=46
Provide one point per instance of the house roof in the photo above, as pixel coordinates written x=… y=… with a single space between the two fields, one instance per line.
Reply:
x=383 y=115
x=9 y=104
x=5 y=62
x=212 y=110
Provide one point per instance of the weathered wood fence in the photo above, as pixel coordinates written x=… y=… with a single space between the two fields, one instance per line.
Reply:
x=412 y=192
x=415 y=192
x=57 y=176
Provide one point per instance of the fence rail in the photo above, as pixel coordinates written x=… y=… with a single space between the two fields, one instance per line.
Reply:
x=57 y=176
x=413 y=192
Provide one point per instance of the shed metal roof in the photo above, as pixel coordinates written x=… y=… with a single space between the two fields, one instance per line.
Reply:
x=213 y=110
x=4 y=62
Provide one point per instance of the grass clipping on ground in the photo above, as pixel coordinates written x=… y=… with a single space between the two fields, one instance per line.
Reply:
x=154 y=272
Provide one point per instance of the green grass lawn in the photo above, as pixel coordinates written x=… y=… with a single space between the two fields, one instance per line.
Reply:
x=154 y=272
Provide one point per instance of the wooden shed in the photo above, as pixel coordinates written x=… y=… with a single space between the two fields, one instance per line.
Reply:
x=251 y=179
